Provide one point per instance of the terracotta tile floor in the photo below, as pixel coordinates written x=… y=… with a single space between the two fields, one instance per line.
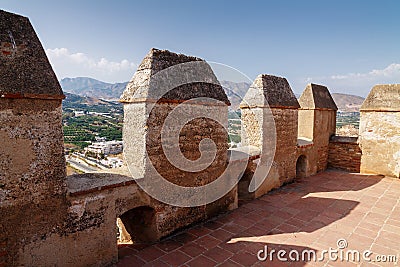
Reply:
x=311 y=214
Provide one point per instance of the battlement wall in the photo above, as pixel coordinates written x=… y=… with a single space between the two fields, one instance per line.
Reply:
x=175 y=127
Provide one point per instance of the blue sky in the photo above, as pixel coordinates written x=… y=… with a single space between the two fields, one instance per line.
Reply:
x=347 y=45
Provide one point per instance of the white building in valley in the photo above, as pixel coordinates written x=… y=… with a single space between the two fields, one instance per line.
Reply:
x=105 y=148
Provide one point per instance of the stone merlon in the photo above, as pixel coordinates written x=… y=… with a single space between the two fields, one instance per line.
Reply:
x=25 y=70
x=174 y=77
x=383 y=98
x=272 y=91
x=317 y=96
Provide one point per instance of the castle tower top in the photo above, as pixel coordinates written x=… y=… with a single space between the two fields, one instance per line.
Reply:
x=25 y=71
x=186 y=81
x=383 y=97
x=270 y=90
x=317 y=96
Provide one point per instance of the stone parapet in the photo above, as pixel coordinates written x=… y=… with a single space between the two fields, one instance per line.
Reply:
x=344 y=153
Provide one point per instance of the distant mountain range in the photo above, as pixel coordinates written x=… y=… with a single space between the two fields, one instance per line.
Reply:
x=348 y=103
x=89 y=87
x=98 y=92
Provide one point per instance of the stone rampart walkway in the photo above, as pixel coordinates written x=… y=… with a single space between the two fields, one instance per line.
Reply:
x=361 y=211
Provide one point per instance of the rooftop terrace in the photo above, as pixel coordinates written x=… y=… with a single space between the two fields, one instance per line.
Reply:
x=312 y=213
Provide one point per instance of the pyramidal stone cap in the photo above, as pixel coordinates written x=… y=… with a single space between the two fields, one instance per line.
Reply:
x=25 y=71
x=317 y=96
x=161 y=77
x=269 y=90
x=383 y=97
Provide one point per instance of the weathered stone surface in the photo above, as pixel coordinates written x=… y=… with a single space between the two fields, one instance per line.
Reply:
x=32 y=172
x=379 y=131
x=286 y=143
x=304 y=142
x=146 y=112
x=252 y=127
x=324 y=129
x=273 y=130
x=24 y=68
x=344 y=153
x=91 y=182
x=31 y=134
x=87 y=236
x=306 y=123
x=317 y=96
x=143 y=137
x=317 y=123
x=189 y=78
x=307 y=156
x=272 y=91
x=380 y=142
x=384 y=97
x=344 y=139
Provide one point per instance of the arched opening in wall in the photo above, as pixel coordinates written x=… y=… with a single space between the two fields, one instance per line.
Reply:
x=301 y=167
x=137 y=226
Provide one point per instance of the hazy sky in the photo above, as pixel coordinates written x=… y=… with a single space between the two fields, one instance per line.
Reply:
x=347 y=45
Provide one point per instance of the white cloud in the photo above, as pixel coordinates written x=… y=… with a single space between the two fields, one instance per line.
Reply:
x=68 y=64
x=359 y=83
x=391 y=71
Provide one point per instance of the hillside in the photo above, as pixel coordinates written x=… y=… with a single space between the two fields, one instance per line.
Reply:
x=89 y=87
x=73 y=99
x=88 y=103
x=94 y=90
x=348 y=103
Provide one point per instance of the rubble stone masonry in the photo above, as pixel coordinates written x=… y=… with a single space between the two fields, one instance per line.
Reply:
x=344 y=154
